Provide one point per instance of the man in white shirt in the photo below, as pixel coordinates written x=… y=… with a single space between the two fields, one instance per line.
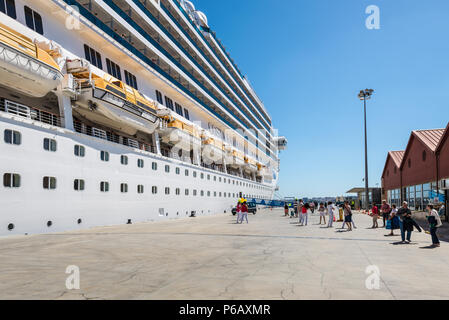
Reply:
x=330 y=211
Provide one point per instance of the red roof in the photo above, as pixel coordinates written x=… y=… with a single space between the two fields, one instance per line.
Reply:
x=397 y=157
x=443 y=138
x=430 y=138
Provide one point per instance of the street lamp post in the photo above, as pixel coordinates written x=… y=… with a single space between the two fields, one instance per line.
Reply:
x=366 y=95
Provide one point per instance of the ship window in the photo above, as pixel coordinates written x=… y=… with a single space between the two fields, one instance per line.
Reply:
x=208 y=193
x=49 y=144
x=186 y=172
x=215 y=178
x=11 y=180
x=124 y=188
x=186 y=114
x=194 y=192
x=215 y=193
x=159 y=97
x=93 y=56
x=208 y=177
x=130 y=79
x=154 y=190
x=33 y=20
x=124 y=160
x=104 y=156
x=140 y=163
x=178 y=191
x=78 y=184
x=167 y=190
x=178 y=108
x=79 y=151
x=113 y=69
x=169 y=103
x=140 y=189
x=186 y=192
x=154 y=166
x=12 y=137
x=194 y=174
x=8 y=7
x=202 y=193
x=49 y=183
x=178 y=171
x=104 y=186
x=202 y=175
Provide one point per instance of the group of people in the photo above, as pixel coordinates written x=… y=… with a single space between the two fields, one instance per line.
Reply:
x=242 y=210
x=401 y=219
x=393 y=218
x=301 y=211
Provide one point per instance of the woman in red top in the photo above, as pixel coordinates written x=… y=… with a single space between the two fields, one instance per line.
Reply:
x=244 y=211
x=375 y=212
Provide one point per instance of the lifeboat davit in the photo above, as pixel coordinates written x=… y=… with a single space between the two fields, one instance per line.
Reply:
x=178 y=133
x=235 y=158
x=23 y=62
x=250 y=165
x=102 y=98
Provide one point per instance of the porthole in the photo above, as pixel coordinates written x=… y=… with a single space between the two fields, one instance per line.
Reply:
x=129 y=221
x=49 y=223
x=10 y=226
x=79 y=221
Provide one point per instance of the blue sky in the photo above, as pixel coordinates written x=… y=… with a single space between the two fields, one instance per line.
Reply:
x=307 y=60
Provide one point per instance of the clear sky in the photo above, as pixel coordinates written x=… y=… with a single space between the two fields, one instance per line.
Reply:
x=308 y=59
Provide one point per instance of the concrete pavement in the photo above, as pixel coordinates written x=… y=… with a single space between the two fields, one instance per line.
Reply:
x=213 y=258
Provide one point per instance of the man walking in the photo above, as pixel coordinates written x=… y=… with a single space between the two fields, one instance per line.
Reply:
x=385 y=210
x=402 y=212
x=330 y=211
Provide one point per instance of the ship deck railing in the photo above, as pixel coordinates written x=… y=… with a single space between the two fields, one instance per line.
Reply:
x=29 y=112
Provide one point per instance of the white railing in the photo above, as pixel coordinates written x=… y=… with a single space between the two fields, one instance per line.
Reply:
x=29 y=112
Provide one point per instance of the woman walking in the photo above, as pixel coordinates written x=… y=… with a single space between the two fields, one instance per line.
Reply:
x=348 y=215
x=244 y=210
x=434 y=222
x=393 y=221
x=322 y=212
x=304 y=214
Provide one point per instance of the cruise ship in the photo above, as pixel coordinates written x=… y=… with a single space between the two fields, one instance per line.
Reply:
x=124 y=111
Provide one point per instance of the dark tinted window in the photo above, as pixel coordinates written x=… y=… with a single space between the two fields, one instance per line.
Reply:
x=8 y=7
x=33 y=20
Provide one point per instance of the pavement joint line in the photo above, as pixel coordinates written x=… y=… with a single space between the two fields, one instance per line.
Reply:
x=220 y=234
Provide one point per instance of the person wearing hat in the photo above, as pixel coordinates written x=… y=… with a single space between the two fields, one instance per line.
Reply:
x=239 y=209
x=244 y=211
x=403 y=212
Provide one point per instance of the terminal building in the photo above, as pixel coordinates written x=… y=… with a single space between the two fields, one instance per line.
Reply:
x=420 y=173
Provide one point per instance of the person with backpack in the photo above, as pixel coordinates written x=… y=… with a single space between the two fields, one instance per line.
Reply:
x=434 y=223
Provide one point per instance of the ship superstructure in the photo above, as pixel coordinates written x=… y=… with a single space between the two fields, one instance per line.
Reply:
x=122 y=111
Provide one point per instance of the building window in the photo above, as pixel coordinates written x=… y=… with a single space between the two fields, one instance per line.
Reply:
x=93 y=57
x=154 y=190
x=169 y=103
x=140 y=163
x=104 y=156
x=159 y=97
x=424 y=155
x=49 y=183
x=395 y=170
x=178 y=171
x=12 y=136
x=167 y=190
x=178 y=191
x=130 y=80
x=11 y=180
x=186 y=114
x=79 y=151
x=33 y=20
x=178 y=109
x=104 y=186
x=124 y=188
x=78 y=184
x=124 y=160
x=50 y=145
x=167 y=168
x=154 y=166
x=409 y=163
x=113 y=69
x=140 y=189
x=8 y=7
